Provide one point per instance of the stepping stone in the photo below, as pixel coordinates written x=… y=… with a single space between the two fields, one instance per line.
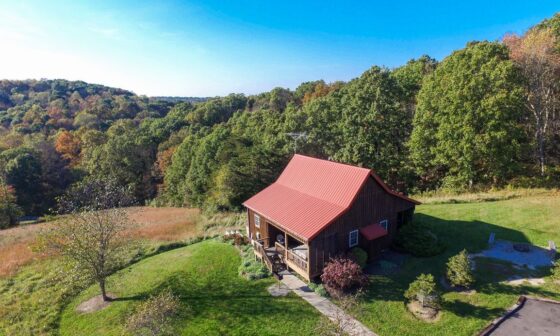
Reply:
x=278 y=290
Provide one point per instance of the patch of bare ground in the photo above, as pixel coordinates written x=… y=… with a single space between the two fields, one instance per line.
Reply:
x=94 y=304
x=426 y=314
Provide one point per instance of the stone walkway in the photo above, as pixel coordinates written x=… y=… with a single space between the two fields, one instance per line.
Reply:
x=352 y=326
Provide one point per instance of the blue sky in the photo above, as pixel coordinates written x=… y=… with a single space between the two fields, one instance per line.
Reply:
x=208 y=48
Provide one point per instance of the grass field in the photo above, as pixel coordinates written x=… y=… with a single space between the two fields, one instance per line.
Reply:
x=34 y=289
x=534 y=219
x=204 y=276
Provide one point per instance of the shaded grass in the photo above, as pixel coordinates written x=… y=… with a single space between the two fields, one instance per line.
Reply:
x=534 y=219
x=204 y=277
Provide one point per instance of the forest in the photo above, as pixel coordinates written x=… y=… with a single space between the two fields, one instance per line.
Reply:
x=486 y=116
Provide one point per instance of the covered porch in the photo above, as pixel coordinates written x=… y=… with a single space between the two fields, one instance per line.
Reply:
x=282 y=251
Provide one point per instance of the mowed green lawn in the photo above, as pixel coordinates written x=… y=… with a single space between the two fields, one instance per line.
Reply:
x=527 y=219
x=205 y=278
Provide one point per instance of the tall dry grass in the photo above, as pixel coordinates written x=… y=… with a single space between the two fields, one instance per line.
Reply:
x=441 y=197
x=152 y=224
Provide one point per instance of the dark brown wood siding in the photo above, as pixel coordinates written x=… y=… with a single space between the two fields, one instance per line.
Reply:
x=372 y=205
x=253 y=230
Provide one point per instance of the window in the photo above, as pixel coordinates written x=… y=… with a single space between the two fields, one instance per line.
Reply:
x=257 y=221
x=353 y=238
x=384 y=224
x=258 y=235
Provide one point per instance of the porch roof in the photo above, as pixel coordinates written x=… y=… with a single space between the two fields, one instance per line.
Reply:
x=373 y=231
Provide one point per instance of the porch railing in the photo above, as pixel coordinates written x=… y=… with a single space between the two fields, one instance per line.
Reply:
x=297 y=260
x=280 y=249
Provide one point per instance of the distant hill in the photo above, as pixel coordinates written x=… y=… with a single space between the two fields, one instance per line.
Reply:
x=29 y=106
x=176 y=99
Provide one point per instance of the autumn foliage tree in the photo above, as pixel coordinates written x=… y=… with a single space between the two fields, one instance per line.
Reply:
x=537 y=55
x=69 y=146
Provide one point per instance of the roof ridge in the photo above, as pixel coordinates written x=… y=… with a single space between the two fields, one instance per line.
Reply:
x=307 y=194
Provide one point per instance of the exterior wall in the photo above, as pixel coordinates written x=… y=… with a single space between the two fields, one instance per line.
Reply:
x=372 y=205
x=253 y=230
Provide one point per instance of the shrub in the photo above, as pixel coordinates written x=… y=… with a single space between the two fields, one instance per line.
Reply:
x=555 y=270
x=318 y=288
x=459 y=271
x=250 y=268
x=360 y=256
x=236 y=239
x=321 y=290
x=423 y=290
x=418 y=240
x=153 y=317
x=343 y=274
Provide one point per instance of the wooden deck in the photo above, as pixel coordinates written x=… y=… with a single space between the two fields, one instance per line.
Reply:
x=288 y=259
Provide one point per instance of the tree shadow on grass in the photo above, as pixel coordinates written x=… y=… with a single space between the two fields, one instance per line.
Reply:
x=233 y=301
x=465 y=309
x=470 y=235
x=457 y=235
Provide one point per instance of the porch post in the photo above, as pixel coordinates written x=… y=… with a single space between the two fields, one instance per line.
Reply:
x=285 y=245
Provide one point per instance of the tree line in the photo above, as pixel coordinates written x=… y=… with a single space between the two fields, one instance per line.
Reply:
x=485 y=116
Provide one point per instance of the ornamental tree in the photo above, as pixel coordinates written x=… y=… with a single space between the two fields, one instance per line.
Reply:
x=423 y=290
x=459 y=271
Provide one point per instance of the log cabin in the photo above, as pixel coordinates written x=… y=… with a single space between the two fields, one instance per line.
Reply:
x=318 y=209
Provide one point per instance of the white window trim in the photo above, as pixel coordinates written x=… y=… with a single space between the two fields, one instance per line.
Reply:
x=257 y=221
x=350 y=242
x=384 y=224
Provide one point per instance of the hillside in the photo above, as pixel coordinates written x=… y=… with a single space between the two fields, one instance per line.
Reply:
x=423 y=126
x=45 y=106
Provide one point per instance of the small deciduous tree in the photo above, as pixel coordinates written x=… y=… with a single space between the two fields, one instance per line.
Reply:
x=91 y=238
x=459 y=271
x=153 y=317
x=423 y=290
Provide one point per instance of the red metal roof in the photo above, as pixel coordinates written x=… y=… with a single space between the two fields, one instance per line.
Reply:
x=373 y=231
x=310 y=193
